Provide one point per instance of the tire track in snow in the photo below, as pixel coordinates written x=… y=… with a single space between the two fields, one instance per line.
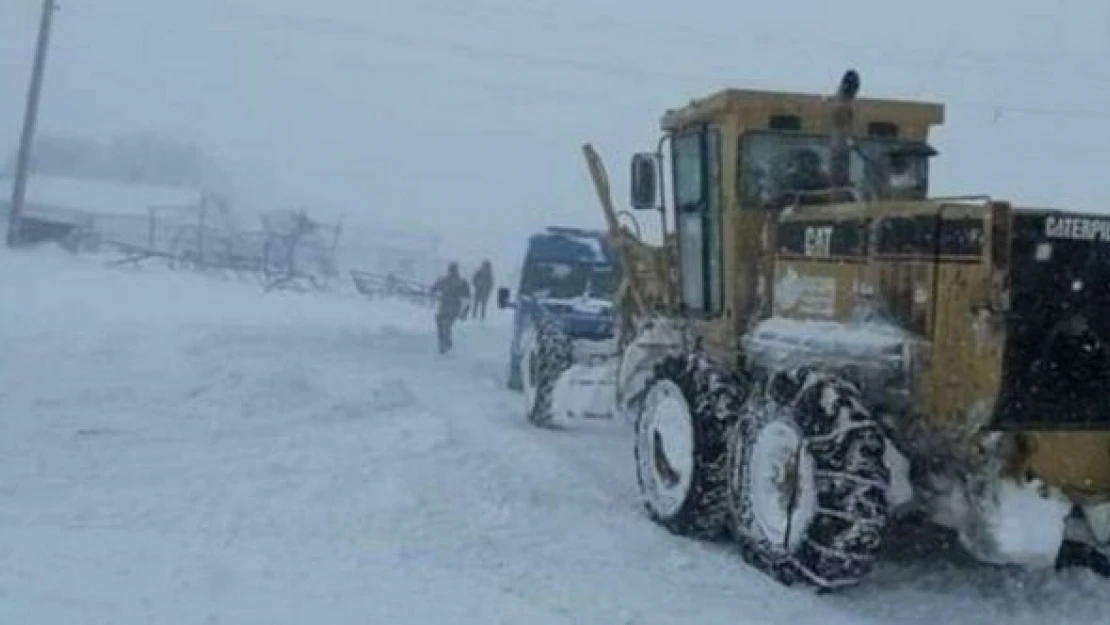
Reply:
x=545 y=507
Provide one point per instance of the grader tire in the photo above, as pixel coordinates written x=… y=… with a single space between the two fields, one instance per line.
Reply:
x=807 y=483
x=680 y=445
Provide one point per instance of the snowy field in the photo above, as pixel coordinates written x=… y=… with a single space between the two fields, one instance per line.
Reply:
x=175 y=449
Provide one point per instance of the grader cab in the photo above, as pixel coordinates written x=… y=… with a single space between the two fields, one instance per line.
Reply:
x=837 y=349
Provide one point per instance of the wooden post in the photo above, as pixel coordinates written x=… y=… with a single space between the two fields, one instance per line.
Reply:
x=27 y=138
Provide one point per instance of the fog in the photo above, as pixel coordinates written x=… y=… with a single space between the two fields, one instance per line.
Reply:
x=467 y=118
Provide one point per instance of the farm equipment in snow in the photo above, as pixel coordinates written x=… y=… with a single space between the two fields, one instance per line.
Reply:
x=387 y=285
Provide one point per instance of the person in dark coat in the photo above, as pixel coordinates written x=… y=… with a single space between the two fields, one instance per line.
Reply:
x=452 y=292
x=483 y=286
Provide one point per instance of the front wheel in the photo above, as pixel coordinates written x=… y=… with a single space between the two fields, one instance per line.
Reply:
x=680 y=444
x=547 y=353
x=807 y=482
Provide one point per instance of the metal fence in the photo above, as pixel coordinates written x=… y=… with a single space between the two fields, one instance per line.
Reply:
x=285 y=249
x=207 y=238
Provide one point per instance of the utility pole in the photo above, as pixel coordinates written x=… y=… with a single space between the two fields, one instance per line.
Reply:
x=30 y=116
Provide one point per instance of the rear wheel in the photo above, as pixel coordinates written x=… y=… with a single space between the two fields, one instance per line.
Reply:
x=680 y=444
x=547 y=353
x=808 y=484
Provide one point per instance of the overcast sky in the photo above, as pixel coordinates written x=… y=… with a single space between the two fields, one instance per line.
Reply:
x=468 y=116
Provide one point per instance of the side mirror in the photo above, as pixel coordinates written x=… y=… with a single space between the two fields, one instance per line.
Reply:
x=503 y=298
x=645 y=169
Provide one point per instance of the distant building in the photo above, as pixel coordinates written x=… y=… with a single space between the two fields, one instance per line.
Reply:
x=126 y=213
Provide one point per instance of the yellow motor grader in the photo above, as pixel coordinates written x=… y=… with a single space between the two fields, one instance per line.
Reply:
x=823 y=348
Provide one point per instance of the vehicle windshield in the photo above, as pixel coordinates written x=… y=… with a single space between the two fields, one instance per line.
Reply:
x=561 y=280
x=775 y=165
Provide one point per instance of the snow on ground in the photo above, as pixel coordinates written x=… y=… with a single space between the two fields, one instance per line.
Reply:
x=175 y=449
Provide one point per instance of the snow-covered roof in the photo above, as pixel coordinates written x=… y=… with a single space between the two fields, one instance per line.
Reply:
x=97 y=196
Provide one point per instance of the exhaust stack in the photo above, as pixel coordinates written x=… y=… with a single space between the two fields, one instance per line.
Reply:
x=841 y=131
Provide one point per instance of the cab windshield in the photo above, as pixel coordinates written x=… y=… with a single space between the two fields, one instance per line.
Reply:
x=562 y=280
x=775 y=165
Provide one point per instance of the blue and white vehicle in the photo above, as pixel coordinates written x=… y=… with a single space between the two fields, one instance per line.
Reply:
x=564 y=312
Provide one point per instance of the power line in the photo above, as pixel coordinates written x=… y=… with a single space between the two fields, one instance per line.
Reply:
x=952 y=59
x=934 y=69
x=320 y=25
x=1000 y=110
x=327 y=26
x=636 y=73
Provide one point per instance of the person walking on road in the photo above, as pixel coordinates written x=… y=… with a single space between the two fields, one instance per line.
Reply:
x=452 y=292
x=483 y=286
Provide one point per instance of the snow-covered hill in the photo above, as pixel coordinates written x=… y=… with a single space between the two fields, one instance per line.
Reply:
x=178 y=450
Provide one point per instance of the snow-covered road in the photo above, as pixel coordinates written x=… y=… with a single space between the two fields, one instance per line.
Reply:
x=174 y=449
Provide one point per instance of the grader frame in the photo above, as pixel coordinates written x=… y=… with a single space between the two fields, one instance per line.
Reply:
x=767 y=281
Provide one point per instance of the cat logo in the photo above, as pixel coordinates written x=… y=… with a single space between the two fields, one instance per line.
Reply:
x=818 y=241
